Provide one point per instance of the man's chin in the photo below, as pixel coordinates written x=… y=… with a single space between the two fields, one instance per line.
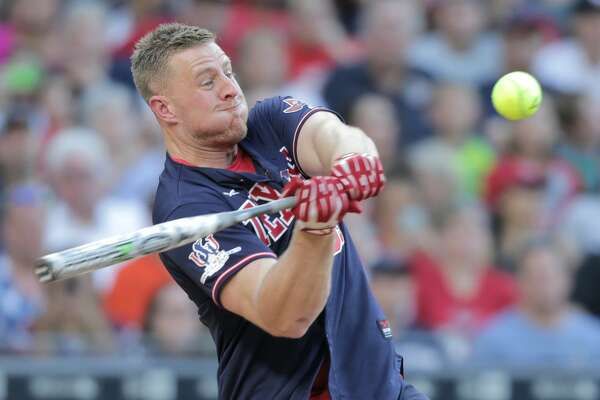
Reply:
x=234 y=135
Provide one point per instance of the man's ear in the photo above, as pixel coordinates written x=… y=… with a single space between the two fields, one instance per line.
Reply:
x=163 y=109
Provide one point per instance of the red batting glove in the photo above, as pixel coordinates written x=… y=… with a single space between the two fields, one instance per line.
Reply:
x=322 y=202
x=361 y=174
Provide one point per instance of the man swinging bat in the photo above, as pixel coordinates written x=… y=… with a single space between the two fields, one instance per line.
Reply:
x=284 y=295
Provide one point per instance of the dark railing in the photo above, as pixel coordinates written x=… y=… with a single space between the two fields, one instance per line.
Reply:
x=144 y=378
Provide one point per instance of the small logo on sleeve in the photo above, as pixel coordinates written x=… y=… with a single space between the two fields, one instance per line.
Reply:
x=231 y=193
x=384 y=327
x=293 y=106
x=206 y=253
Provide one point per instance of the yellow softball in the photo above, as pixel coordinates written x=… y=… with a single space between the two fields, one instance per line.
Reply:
x=517 y=95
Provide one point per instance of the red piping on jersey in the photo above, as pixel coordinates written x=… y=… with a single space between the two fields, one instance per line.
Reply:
x=235 y=267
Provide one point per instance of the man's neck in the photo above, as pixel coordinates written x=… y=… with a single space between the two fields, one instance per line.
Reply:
x=202 y=156
x=545 y=319
x=460 y=44
x=388 y=77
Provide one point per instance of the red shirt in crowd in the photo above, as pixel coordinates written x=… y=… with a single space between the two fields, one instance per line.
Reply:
x=439 y=307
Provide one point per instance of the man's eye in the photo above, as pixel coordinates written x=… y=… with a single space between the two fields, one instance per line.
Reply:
x=208 y=82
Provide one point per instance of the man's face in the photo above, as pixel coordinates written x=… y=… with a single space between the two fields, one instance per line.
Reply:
x=587 y=28
x=205 y=97
x=22 y=231
x=544 y=282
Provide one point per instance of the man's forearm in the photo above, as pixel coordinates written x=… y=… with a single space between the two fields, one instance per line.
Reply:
x=349 y=139
x=295 y=290
x=327 y=139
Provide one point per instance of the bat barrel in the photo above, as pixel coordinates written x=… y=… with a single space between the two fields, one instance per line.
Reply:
x=162 y=237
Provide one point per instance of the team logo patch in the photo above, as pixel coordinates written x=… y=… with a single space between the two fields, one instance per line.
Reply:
x=293 y=106
x=206 y=253
x=384 y=327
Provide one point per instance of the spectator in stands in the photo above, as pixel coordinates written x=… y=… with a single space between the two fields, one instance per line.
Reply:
x=73 y=322
x=518 y=213
x=78 y=165
x=532 y=152
x=29 y=22
x=523 y=35
x=402 y=217
x=209 y=14
x=57 y=108
x=139 y=180
x=101 y=106
x=393 y=287
x=375 y=115
x=263 y=64
x=138 y=18
x=436 y=177
x=556 y=11
x=388 y=29
x=581 y=223
x=458 y=49
x=472 y=156
x=136 y=283
x=17 y=147
x=171 y=325
x=457 y=288
x=243 y=17
x=85 y=56
x=571 y=65
x=585 y=291
x=21 y=295
x=317 y=39
x=580 y=146
x=543 y=331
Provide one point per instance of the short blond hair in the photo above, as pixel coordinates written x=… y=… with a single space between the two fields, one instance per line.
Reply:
x=150 y=58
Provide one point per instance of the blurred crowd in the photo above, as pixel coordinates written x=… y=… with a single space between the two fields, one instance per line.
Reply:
x=484 y=248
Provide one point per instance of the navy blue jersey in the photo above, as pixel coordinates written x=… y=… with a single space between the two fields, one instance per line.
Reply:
x=252 y=363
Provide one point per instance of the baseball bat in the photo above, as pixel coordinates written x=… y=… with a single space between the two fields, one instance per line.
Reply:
x=157 y=238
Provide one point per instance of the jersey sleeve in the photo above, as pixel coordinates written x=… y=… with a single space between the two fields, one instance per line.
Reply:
x=211 y=261
x=285 y=116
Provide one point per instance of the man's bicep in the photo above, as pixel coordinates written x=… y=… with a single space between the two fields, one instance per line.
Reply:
x=240 y=293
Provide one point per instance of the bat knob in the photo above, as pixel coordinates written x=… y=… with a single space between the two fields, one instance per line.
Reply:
x=43 y=270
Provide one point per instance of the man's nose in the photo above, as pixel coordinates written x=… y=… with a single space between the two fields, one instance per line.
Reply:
x=229 y=89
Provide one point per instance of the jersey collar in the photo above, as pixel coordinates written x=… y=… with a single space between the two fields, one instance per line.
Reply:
x=266 y=170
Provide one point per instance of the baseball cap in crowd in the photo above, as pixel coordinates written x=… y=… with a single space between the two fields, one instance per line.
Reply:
x=586 y=6
x=511 y=175
x=527 y=21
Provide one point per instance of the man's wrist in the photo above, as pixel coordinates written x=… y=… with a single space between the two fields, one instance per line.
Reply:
x=318 y=231
x=314 y=233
